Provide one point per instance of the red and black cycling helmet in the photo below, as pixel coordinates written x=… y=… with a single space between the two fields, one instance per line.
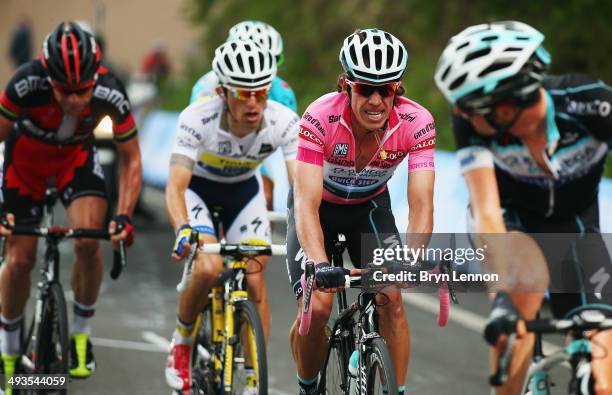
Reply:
x=71 y=56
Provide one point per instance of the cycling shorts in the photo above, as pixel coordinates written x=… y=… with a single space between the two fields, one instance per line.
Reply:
x=30 y=163
x=373 y=217
x=242 y=205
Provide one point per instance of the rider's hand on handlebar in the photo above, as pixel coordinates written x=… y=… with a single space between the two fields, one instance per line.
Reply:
x=7 y=222
x=503 y=320
x=121 y=229
x=330 y=278
x=182 y=247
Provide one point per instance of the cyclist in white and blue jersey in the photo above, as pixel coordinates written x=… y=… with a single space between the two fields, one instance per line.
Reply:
x=532 y=148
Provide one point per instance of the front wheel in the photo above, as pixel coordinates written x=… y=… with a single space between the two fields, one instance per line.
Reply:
x=249 y=365
x=380 y=376
x=51 y=350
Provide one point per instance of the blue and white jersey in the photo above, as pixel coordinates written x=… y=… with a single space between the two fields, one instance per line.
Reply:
x=579 y=135
x=280 y=91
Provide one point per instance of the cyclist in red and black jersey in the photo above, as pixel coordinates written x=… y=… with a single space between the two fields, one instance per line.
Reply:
x=49 y=110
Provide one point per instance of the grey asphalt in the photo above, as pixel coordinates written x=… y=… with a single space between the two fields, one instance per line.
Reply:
x=135 y=317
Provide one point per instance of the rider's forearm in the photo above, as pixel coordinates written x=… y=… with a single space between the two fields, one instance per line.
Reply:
x=309 y=230
x=420 y=225
x=6 y=126
x=175 y=204
x=130 y=182
x=489 y=222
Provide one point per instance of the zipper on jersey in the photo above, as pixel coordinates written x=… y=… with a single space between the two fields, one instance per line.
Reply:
x=357 y=174
x=551 y=198
x=551 y=183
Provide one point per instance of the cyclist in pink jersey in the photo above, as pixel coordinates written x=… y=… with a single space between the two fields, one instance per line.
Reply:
x=350 y=143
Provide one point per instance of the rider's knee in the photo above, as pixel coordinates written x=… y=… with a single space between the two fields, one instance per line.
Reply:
x=390 y=304
x=602 y=388
x=256 y=291
x=21 y=262
x=206 y=269
x=321 y=311
x=86 y=248
x=527 y=303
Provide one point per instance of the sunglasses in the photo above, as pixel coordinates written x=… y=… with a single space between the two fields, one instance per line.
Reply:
x=519 y=102
x=73 y=90
x=246 y=94
x=367 y=90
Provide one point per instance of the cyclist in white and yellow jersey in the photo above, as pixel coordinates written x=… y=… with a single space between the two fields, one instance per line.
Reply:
x=280 y=91
x=219 y=146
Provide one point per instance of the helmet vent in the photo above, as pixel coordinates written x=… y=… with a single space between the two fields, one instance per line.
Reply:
x=378 y=59
x=353 y=54
x=494 y=67
x=446 y=72
x=228 y=62
x=490 y=38
x=458 y=81
x=465 y=44
x=376 y=40
x=390 y=57
x=513 y=49
x=365 y=56
x=477 y=54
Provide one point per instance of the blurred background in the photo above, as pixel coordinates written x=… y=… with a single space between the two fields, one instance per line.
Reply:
x=161 y=47
x=578 y=35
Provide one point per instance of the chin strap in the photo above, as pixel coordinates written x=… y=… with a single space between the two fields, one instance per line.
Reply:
x=501 y=130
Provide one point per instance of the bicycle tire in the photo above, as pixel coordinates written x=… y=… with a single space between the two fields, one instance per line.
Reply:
x=336 y=380
x=202 y=369
x=246 y=314
x=379 y=369
x=52 y=336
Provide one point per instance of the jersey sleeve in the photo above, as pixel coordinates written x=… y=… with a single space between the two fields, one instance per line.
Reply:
x=590 y=101
x=311 y=141
x=422 y=141
x=111 y=92
x=472 y=151
x=14 y=98
x=188 y=139
x=289 y=137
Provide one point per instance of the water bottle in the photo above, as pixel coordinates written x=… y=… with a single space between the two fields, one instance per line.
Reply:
x=353 y=369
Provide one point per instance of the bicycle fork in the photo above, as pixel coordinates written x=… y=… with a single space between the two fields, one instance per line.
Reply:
x=41 y=295
x=236 y=289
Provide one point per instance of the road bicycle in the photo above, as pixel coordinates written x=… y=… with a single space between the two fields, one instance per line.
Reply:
x=45 y=345
x=577 y=353
x=357 y=359
x=229 y=349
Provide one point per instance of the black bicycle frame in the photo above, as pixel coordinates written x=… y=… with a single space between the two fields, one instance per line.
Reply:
x=367 y=323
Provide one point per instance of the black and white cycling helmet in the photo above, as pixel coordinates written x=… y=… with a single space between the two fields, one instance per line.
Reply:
x=244 y=64
x=260 y=32
x=489 y=62
x=373 y=55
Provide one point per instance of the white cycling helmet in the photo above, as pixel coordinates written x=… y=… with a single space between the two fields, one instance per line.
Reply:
x=260 y=32
x=373 y=55
x=244 y=64
x=487 y=62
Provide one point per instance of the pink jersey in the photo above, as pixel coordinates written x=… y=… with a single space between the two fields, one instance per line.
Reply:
x=326 y=140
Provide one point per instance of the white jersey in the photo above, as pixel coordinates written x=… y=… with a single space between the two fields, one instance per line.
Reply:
x=223 y=157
